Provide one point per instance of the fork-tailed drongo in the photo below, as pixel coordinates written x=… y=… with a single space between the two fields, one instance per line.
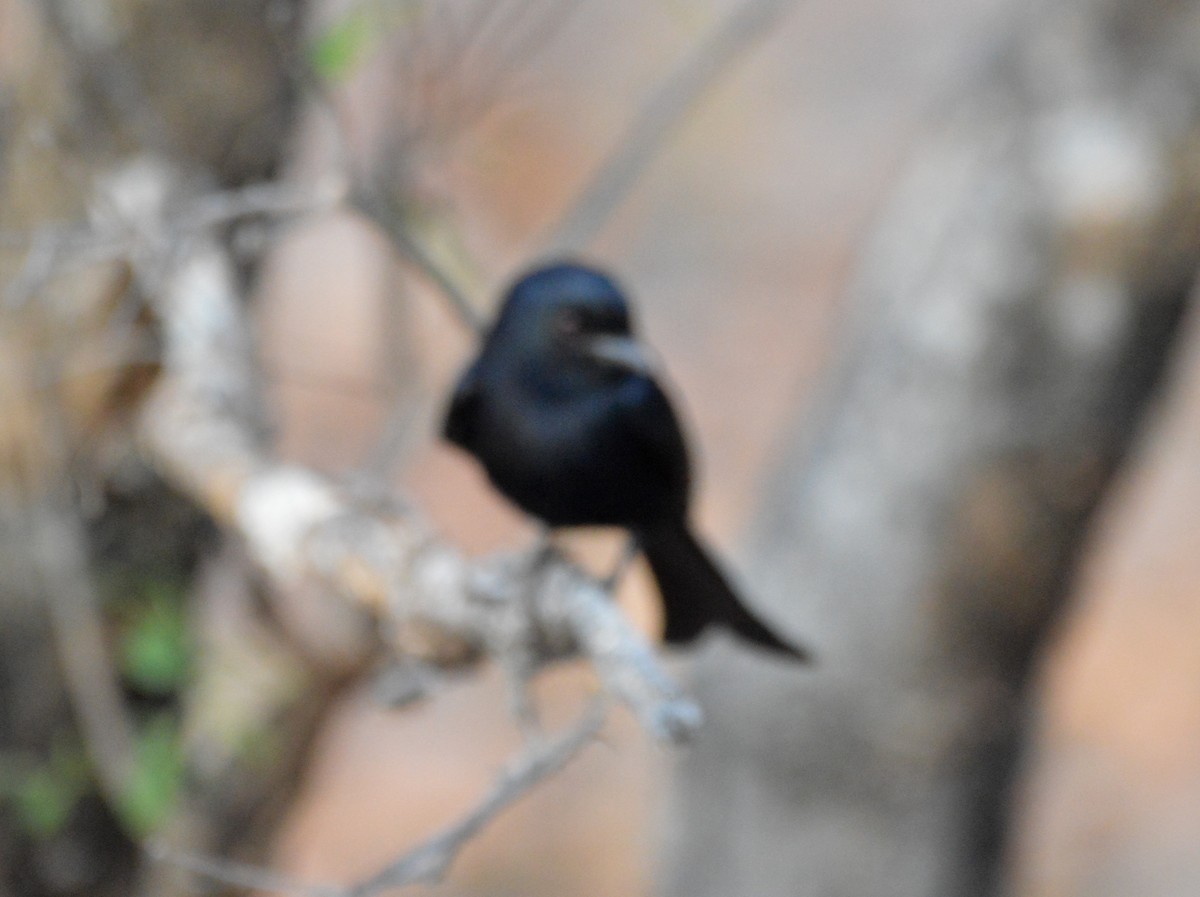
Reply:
x=563 y=410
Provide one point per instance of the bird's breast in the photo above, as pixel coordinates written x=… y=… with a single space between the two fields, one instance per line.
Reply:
x=565 y=458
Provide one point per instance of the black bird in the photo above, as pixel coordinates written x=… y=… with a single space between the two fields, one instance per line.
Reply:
x=562 y=409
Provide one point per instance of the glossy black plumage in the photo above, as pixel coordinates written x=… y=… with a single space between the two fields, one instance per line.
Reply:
x=562 y=409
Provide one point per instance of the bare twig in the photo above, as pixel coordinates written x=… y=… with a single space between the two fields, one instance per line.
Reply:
x=88 y=670
x=427 y=862
x=379 y=206
x=57 y=247
x=509 y=59
x=658 y=118
x=372 y=193
x=436 y=107
x=100 y=66
x=272 y=199
x=238 y=875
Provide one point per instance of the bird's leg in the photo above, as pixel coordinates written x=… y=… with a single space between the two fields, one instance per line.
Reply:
x=628 y=555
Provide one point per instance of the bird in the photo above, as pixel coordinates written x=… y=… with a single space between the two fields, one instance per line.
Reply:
x=564 y=409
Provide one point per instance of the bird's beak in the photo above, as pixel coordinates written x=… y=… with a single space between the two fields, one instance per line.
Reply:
x=622 y=352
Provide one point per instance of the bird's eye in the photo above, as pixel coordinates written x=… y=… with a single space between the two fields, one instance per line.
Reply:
x=568 y=322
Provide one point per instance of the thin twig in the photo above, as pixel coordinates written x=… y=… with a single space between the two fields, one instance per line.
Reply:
x=238 y=875
x=101 y=67
x=511 y=60
x=427 y=862
x=272 y=199
x=54 y=248
x=658 y=118
x=378 y=206
x=88 y=671
x=372 y=196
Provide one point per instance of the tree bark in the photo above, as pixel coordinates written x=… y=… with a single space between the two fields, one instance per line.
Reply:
x=1010 y=321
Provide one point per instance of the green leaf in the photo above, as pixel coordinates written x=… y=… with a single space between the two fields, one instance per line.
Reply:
x=154 y=650
x=157 y=776
x=44 y=803
x=341 y=47
x=44 y=796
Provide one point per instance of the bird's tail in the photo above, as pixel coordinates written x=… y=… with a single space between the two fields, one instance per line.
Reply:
x=695 y=593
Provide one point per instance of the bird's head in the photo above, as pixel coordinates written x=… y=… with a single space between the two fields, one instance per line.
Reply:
x=570 y=312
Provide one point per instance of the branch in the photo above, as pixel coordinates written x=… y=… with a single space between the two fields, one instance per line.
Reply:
x=238 y=875
x=654 y=123
x=55 y=247
x=200 y=426
x=371 y=194
x=363 y=545
x=375 y=202
x=79 y=641
x=428 y=862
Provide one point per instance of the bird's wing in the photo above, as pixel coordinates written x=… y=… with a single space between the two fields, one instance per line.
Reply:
x=459 y=424
x=650 y=422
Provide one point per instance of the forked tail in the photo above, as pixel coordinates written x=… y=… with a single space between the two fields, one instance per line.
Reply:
x=695 y=593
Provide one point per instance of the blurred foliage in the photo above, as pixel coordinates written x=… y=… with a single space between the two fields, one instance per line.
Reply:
x=154 y=651
x=345 y=43
x=43 y=795
x=157 y=776
x=154 y=655
x=155 y=659
x=342 y=46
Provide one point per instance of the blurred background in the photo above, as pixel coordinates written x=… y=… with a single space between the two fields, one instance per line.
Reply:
x=921 y=274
